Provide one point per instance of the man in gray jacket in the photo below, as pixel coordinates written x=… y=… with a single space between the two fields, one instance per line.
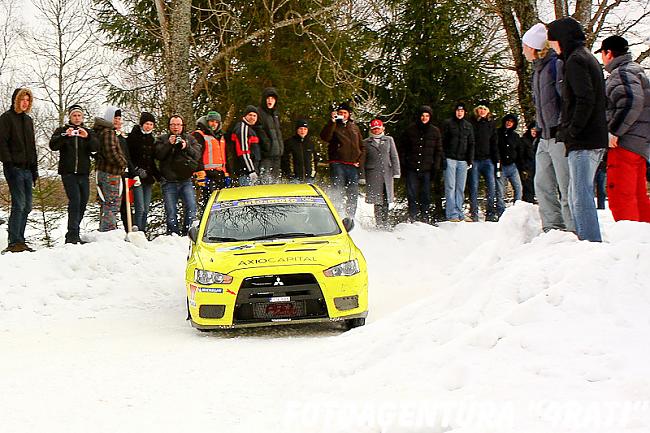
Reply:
x=551 y=163
x=628 y=119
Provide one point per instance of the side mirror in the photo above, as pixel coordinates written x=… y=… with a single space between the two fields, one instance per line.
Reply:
x=193 y=233
x=348 y=223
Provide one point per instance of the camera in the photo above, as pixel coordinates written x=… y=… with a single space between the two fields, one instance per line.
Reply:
x=179 y=142
x=338 y=117
x=74 y=133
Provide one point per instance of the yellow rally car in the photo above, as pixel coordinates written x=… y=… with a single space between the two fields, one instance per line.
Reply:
x=274 y=254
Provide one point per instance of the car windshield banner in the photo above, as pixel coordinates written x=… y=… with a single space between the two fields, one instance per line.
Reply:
x=269 y=201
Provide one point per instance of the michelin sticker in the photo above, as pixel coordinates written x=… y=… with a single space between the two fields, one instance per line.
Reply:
x=210 y=290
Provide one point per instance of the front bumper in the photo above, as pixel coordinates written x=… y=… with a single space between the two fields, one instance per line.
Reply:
x=247 y=301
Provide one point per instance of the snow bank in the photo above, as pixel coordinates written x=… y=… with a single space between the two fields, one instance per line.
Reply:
x=473 y=327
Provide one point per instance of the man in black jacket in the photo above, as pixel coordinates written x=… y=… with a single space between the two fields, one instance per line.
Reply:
x=583 y=128
x=76 y=144
x=458 y=145
x=300 y=158
x=486 y=156
x=270 y=137
x=18 y=156
x=509 y=155
x=421 y=153
x=179 y=154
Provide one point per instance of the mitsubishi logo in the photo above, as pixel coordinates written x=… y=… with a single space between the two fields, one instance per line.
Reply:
x=278 y=282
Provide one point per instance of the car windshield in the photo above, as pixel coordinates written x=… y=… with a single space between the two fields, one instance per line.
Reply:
x=269 y=218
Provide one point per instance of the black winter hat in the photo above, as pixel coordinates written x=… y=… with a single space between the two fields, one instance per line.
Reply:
x=460 y=106
x=512 y=117
x=301 y=123
x=344 y=106
x=118 y=113
x=426 y=109
x=483 y=103
x=75 y=107
x=250 y=109
x=614 y=43
x=146 y=117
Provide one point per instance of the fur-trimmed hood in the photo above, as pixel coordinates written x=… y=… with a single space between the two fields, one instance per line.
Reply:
x=20 y=94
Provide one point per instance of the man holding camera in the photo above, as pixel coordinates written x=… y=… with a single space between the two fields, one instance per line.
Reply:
x=179 y=155
x=346 y=154
x=76 y=144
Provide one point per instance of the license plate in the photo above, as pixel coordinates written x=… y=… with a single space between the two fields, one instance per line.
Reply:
x=281 y=309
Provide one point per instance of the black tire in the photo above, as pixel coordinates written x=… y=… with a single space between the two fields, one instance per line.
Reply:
x=355 y=323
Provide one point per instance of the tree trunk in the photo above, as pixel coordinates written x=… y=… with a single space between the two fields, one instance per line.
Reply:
x=175 y=24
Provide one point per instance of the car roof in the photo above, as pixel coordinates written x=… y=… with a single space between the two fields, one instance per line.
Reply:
x=261 y=191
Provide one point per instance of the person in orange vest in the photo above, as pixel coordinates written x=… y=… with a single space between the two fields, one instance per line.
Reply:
x=212 y=174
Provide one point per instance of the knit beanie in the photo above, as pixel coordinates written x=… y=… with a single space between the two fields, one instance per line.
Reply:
x=146 y=117
x=535 y=37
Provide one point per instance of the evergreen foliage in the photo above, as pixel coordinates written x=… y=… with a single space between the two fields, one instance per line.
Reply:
x=435 y=53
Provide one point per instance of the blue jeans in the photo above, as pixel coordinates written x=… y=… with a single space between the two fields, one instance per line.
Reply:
x=77 y=189
x=418 y=193
x=142 y=199
x=582 y=169
x=345 y=182
x=601 y=190
x=171 y=193
x=455 y=178
x=485 y=168
x=508 y=173
x=20 y=182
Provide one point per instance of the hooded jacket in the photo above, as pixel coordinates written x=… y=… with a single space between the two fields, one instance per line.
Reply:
x=421 y=145
x=142 y=150
x=547 y=90
x=509 y=142
x=17 y=138
x=628 y=104
x=110 y=158
x=270 y=134
x=583 y=124
x=74 y=152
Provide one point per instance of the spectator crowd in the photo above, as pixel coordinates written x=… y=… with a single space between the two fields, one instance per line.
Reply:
x=588 y=133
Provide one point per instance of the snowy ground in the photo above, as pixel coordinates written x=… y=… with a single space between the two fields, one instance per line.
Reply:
x=473 y=327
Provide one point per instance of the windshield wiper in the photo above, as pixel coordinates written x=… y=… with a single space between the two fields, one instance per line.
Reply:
x=218 y=239
x=283 y=235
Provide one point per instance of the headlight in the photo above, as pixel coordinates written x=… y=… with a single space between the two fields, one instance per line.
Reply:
x=346 y=269
x=208 y=277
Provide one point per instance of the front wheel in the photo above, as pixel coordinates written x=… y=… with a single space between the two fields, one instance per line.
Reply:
x=355 y=323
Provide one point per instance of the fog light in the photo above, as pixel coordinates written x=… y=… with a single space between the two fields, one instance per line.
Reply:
x=212 y=311
x=346 y=302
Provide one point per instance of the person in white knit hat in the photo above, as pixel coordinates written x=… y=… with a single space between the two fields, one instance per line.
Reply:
x=551 y=163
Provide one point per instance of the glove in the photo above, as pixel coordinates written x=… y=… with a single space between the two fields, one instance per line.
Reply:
x=469 y=165
x=362 y=181
x=200 y=178
x=140 y=172
x=227 y=181
x=137 y=181
x=8 y=165
x=396 y=176
x=498 y=170
x=253 y=177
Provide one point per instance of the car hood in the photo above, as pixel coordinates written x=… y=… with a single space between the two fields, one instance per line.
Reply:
x=229 y=257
